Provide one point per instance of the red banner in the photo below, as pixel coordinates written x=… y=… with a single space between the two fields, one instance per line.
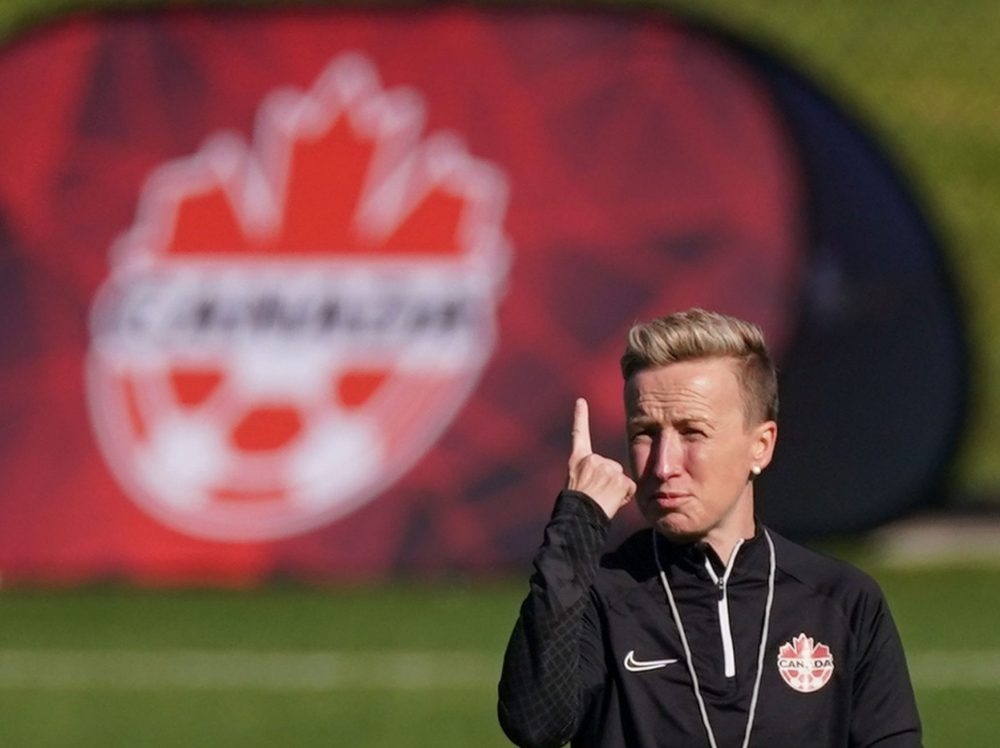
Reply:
x=311 y=293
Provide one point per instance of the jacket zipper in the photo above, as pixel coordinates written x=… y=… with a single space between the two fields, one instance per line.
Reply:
x=725 y=627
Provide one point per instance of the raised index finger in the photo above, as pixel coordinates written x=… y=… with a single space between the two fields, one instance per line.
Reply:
x=581 y=430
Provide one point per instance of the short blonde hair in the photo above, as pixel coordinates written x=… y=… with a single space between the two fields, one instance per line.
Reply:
x=697 y=333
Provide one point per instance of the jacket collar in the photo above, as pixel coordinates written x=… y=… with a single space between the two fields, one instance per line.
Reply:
x=689 y=558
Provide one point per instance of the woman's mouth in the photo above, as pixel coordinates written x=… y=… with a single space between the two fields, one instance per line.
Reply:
x=670 y=499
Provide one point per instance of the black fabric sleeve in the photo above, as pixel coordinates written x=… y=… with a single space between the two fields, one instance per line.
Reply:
x=553 y=661
x=884 y=710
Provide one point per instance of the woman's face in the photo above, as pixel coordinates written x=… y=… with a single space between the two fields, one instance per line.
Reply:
x=691 y=450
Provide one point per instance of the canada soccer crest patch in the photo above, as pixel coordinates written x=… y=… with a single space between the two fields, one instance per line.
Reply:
x=289 y=325
x=805 y=664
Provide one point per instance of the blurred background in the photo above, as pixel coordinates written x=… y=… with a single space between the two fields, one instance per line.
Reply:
x=297 y=297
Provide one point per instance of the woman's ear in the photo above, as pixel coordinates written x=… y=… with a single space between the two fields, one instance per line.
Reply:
x=765 y=436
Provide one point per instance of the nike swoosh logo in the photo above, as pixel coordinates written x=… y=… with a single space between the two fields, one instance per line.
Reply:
x=640 y=666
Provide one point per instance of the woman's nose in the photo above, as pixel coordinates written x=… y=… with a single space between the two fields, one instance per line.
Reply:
x=667 y=456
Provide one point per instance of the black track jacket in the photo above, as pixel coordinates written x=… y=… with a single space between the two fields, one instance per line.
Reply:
x=595 y=657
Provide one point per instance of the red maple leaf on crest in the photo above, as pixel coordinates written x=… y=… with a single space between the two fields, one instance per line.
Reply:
x=337 y=170
x=804 y=647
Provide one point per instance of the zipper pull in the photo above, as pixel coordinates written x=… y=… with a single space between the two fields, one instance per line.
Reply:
x=721 y=584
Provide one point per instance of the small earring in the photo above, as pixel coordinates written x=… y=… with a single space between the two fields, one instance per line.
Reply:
x=755 y=470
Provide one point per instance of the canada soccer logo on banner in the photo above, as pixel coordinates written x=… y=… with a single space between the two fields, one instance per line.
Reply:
x=804 y=664
x=289 y=325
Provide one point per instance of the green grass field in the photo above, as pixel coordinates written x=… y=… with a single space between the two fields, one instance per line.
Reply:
x=392 y=666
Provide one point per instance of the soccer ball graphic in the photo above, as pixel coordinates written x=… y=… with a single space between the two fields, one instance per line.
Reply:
x=288 y=327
